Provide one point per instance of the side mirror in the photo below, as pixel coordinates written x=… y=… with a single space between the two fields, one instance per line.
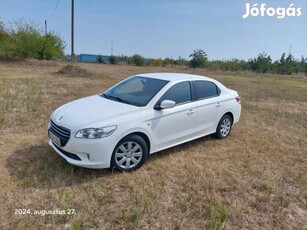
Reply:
x=166 y=104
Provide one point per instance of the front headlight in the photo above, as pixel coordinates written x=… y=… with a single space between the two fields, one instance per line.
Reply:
x=94 y=133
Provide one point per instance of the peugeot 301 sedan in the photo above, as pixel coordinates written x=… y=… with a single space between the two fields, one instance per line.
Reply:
x=141 y=115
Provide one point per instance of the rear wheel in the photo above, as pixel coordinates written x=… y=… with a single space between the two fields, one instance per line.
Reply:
x=129 y=154
x=224 y=127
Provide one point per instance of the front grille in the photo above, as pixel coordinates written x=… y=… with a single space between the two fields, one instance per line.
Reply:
x=70 y=155
x=61 y=132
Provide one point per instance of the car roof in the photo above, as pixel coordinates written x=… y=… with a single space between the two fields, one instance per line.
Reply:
x=174 y=76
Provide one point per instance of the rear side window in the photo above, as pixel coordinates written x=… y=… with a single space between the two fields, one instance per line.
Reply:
x=179 y=93
x=206 y=89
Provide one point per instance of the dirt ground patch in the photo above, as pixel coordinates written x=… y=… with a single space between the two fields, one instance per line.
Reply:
x=74 y=70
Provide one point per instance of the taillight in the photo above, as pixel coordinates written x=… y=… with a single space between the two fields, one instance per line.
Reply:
x=238 y=99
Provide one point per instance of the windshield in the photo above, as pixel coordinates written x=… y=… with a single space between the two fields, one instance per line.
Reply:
x=136 y=90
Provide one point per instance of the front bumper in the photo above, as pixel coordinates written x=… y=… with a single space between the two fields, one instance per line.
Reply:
x=94 y=153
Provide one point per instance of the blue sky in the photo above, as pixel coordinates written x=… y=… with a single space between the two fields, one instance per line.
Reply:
x=168 y=28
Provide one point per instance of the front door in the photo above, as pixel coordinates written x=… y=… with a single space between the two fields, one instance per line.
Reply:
x=175 y=125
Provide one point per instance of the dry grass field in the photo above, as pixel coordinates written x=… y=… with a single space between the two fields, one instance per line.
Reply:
x=254 y=179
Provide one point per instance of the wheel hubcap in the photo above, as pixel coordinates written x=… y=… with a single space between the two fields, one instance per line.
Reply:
x=225 y=127
x=128 y=155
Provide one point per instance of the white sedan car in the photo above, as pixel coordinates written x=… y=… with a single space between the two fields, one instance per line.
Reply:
x=141 y=115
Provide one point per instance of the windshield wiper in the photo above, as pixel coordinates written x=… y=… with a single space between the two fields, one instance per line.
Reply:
x=115 y=98
x=106 y=95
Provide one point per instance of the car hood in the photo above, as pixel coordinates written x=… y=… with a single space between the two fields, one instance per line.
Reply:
x=92 y=112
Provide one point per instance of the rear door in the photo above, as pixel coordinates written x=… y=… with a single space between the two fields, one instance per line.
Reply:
x=209 y=106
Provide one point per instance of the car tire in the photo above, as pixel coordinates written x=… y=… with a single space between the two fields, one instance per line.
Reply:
x=224 y=127
x=129 y=154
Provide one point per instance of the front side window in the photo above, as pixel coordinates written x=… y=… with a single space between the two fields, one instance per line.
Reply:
x=179 y=93
x=136 y=91
x=206 y=89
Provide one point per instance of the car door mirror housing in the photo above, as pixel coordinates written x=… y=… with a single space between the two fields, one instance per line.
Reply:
x=166 y=104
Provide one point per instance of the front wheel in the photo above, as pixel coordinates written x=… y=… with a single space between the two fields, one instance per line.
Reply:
x=224 y=127
x=129 y=154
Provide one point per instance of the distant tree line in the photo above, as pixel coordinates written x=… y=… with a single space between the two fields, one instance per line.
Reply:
x=24 y=40
x=263 y=63
x=139 y=60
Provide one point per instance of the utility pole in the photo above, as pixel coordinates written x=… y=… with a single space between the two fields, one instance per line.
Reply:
x=290 y=50
x=72 y=31
x=45 y=27
x=111 y=48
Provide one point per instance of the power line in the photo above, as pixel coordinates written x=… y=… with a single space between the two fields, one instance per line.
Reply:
x=56 y=6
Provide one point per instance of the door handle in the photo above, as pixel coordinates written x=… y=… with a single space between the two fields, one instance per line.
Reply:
x=218 y=104
x=190 y=111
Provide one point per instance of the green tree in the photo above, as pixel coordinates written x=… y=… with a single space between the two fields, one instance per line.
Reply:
x=157 y=62
x=199 y=59
x=291 y=65
x=113 y=59
x=52 y=46
x=6 y=44
x=302 y=65
x=148 y=61
x=100 y=59
x=168 y=61
x=25 y=40
x=181 y=61
x=261 y=64
x=287 y=65
x=137 y=60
